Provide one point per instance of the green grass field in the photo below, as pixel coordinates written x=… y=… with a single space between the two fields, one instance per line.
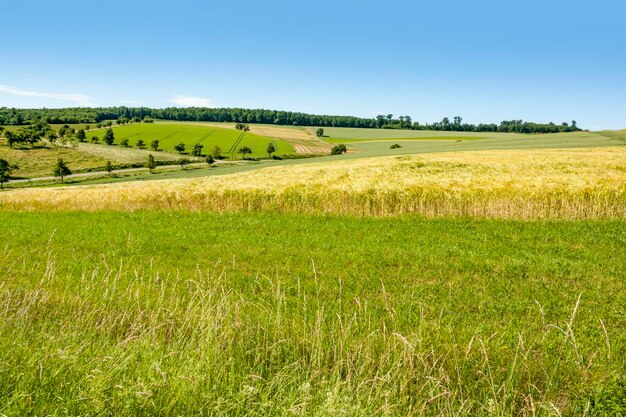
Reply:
x=171 y=134
x=173 y=313
x=442 y=143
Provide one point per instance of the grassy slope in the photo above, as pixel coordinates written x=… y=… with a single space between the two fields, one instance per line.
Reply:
x=171 y=134
x=40 y=161
x=176 y=313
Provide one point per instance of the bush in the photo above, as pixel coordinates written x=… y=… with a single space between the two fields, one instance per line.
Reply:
x=339 y=149
x=395 y=146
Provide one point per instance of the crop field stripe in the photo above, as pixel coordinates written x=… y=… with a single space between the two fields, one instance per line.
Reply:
x=203 y=138
x=237 y=142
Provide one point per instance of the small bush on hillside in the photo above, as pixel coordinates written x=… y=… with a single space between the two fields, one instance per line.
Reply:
x=339 y=149
x=395 y=146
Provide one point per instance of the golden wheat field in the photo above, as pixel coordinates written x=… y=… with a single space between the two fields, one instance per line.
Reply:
x=522 y=184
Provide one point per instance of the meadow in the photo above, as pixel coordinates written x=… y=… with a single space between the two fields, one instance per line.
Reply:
x=179 y=313
x=476 y=278
x=586 y=183
x=171 y=134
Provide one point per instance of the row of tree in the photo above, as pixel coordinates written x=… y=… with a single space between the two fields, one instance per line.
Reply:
x=100 y=115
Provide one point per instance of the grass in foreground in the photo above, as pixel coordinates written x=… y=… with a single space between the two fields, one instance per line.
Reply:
x=560 y=183
x=176 y=313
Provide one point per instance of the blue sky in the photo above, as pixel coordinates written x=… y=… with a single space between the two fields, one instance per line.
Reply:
x=486 y=61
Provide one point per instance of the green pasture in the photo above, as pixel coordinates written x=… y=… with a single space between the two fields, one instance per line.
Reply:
x=171 y=134
x=178 y=313
x=366 y=148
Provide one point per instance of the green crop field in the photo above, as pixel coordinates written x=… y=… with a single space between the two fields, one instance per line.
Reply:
x=454 y=142
x=171 y=134
x=174 y=313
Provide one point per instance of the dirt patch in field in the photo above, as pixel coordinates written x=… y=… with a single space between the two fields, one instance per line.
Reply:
x=303 y=140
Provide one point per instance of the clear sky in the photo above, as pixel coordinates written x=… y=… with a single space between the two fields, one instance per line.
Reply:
x=487 y=61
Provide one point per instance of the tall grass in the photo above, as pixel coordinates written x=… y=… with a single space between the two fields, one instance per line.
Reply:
x=569 y=184
x=105 y=326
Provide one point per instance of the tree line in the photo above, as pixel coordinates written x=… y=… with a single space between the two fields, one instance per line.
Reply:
x=12 y=116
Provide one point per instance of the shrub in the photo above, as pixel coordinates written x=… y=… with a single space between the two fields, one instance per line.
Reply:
x=395 y=146
x=339 y=149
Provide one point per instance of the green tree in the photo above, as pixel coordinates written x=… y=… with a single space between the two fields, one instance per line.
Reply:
x=209 y=159
x=154 y=145
x=95 y=139
x=183 y=162
x=12 y=138
x=216 y=152
x=109 y=137
x=80 y=135
x=197 y=149
x=61 y=169
x=244 y=150
x=339 y=149
x=140 y=144
x=108 y=167
x=271 y=148
x=319 y=132
x=87 y=127
x=148 y=119
x=151 y=164
x=6 y=170
x=124 y=142
x=180 y=148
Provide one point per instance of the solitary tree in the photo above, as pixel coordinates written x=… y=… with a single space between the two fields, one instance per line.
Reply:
x=140 y=144
x=61 y=169
x=124 y=142
x=155 y=145
x=6 y=170
x=12 y=138
x=108 y=167
x=209 y=159
x=183 y=162
x=339 y=149
x=271 y=148
x=109 y=137
x=80 y=135
x=197 y=150
x=216 y=152
x=180 y=148
x=52 y=137
x=151 y=164
x=319 y=132
x=244 y=150
x=95 y=139
x=87 y=127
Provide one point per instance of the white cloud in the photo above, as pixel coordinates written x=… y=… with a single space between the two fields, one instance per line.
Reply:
x=192 y=101
x=73 y=97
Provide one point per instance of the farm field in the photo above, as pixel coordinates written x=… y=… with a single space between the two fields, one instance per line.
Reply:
x=556 y=183
x=39 y=161
x=171 y=134
x=427 y=144
x=183 y=313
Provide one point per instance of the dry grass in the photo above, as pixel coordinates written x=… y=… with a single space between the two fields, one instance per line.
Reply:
x=39 y=162
x=523 y=184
